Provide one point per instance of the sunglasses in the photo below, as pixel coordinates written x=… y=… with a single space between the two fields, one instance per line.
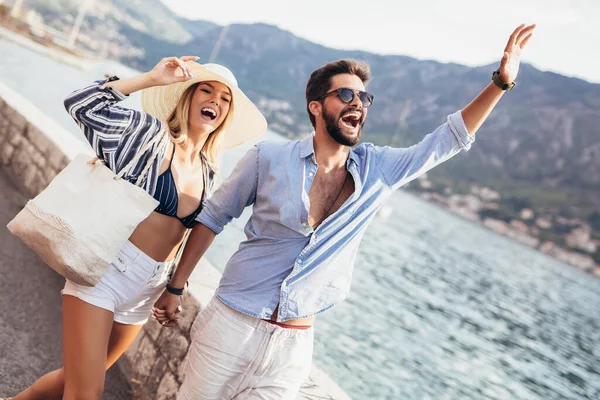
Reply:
x=347 y=96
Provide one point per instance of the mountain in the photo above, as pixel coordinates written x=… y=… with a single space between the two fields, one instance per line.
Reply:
x=104 y=19
x=540 y=147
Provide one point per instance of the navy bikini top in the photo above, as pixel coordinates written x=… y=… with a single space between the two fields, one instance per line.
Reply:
x=168 y=196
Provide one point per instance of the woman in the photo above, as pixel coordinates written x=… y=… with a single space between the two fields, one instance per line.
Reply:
x=202 y=109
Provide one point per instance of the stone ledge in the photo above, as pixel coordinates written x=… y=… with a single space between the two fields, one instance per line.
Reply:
x=33 y=147
x=47 y=131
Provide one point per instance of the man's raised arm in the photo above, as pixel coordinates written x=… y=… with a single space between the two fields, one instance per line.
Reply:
x=401 y=165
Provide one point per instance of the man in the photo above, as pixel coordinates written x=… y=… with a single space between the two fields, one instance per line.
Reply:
x=312 y=201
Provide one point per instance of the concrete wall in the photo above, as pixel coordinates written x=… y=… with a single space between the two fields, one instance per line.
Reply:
x=33 y=149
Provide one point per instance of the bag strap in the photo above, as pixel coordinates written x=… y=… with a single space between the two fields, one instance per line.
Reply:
x=138 y=155
x=163 y=143
x=158 y=139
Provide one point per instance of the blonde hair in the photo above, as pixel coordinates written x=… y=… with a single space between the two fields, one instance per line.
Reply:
x=178 y=125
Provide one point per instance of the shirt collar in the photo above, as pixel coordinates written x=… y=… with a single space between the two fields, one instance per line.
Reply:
x=307 y=148
x=353 y=156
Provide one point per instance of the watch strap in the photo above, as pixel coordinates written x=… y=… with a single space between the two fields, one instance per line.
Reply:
x=175 y=291
x=496 y=79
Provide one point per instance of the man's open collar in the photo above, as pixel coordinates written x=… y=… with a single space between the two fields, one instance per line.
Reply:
x=307 y=148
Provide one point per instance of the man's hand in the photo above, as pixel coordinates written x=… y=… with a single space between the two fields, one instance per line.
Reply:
x=166 y=309
x=509 y=66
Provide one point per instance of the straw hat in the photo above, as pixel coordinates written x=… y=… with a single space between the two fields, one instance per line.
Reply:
x=244 y=122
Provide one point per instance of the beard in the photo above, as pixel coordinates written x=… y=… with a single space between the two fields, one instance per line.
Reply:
x=332 y=125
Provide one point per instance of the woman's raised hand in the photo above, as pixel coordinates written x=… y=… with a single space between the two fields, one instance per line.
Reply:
x=171 y=70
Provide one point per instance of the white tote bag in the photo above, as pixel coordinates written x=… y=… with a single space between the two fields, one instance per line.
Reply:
x=78 y=224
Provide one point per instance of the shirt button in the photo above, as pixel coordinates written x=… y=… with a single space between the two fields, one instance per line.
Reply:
x=299 y=262
x=304 y=224
x=310 y=174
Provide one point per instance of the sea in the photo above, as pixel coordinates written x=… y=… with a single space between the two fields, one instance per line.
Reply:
x=441 y=308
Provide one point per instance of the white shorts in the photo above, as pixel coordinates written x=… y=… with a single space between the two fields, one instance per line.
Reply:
x=129 y=288
x=235 y=356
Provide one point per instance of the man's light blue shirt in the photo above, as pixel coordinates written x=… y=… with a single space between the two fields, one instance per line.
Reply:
x=284 y=261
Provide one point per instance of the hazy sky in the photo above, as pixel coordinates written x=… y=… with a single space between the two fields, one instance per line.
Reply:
x=471 y=32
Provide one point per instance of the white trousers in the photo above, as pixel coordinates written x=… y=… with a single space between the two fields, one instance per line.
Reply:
x=235 y=356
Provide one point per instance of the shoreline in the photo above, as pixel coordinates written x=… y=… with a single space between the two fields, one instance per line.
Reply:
x=516 y=229
x=50 y=52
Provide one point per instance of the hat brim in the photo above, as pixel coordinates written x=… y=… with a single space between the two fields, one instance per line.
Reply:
x=244 y=122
